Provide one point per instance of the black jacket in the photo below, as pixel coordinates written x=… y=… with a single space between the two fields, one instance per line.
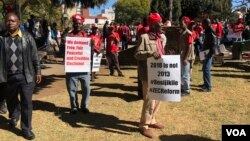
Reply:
x=31 y=61
x=210 y=41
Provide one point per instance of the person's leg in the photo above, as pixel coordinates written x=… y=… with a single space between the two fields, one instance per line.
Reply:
x=85 y=84
x=116 y=63
x=186 y=78
x=145 y=114
x=110 y=63
x=91 y=68
x=147 y=111
x=26 y=91
x=206 y=74
x=72 y=85
x=123 y=42
x=11 y=96
x=126 y=42
x=155 y=106
x=139 y=89
x=3 y=107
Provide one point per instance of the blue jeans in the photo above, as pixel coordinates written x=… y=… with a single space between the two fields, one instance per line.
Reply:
x=185 y=77
x=72 y=86
x=207 y=63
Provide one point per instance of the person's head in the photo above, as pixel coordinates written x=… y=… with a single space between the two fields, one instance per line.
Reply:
x=54 y=24
x=32 y=16
x=192 y=25
x=154 y=22
x=94 y=29
x=12 y=22
x=206 y=23
x=111 y=29
x=184 y=22
x=77 y=20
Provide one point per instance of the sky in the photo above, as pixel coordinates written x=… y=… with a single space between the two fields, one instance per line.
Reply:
x=109 y=4
x=96 y=10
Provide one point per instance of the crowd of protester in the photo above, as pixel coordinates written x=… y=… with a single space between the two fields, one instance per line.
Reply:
x=195 y=36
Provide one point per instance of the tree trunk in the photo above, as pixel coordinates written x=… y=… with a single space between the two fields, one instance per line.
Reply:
x=170 y=14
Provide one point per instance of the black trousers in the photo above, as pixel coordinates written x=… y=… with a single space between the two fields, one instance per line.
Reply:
x=17 y=84
x=124 y=42
x=2 y=89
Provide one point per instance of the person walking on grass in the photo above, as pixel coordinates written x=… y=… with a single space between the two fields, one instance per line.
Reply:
x=19 y=69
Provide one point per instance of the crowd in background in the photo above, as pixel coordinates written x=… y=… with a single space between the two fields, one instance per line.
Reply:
x=195 y=36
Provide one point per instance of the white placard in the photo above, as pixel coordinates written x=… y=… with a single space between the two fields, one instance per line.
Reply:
x=220 y=49
x=96 y=62
x=77 y=54
x=164 y=78
x=203 y=54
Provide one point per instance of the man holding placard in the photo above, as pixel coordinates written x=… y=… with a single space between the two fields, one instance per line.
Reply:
x=149 y=45
x=77 y=65
x=96 y=48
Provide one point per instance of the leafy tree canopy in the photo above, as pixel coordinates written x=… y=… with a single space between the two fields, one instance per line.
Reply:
x=131 y=11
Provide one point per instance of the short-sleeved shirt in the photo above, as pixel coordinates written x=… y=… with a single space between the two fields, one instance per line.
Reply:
x=186 y=39
x=112 y=42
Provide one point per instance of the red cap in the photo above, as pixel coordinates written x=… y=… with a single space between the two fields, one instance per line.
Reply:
x=186 y=20
x=153 y=18
x=77 y=17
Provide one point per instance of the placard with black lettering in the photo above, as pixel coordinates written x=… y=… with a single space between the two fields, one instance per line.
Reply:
x=96 y=62
x=164 y=78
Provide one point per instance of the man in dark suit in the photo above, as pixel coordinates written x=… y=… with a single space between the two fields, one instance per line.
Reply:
x=19 y=70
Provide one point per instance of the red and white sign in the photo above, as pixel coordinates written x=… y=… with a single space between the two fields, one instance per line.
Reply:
x=77 y=54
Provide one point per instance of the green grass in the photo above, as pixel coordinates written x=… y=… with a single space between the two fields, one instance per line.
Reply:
x=115 y=111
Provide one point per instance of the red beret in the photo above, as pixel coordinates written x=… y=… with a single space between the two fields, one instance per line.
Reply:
x=77 y=17
x=186 y=20
x=153 y=18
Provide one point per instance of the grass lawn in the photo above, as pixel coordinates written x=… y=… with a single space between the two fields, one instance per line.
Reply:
x=115 y=109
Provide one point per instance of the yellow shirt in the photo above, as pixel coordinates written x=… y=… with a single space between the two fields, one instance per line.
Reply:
x=17 y=33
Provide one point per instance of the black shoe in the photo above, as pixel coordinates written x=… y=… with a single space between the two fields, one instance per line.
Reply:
x=73 y=111
x=3 y=107
x=185 y=93
x=111 y=73
x=205 y=90
x=121 y=75
x=85 y=110
x=12 y=122
x=29 y=135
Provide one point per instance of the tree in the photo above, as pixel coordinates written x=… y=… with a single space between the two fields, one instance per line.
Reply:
x=128 y=11
x=168 y=9
x=211 y=8
x=84 y=3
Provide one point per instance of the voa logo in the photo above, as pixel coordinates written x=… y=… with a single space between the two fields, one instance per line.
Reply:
x=236 y=132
